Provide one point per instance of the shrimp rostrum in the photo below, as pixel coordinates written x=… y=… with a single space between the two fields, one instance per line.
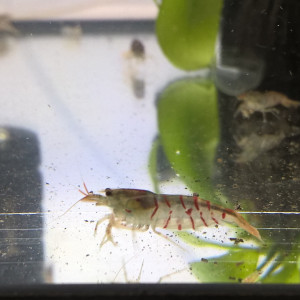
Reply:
x=139 y=210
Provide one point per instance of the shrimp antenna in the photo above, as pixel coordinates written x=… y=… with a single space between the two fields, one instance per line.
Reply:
x=84 y=193
x=70 y=208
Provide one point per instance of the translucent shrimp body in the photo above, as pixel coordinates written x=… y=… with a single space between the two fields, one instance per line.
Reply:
x=254 y=101
x=140 y=209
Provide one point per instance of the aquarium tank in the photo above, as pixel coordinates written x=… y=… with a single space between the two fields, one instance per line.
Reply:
x=149 y=142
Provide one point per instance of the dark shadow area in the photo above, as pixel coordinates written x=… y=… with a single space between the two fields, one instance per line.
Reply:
x=21 y=224
x=258 y=164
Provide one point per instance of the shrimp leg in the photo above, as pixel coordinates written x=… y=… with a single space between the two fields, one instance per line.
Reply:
x=99 y=222
x=113 y=224
x=107 y=237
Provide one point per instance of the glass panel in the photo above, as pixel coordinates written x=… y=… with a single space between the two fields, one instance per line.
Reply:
x=196 y=101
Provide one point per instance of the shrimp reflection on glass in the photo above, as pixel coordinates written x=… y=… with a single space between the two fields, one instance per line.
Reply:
x=135 y=209
x=255 y=101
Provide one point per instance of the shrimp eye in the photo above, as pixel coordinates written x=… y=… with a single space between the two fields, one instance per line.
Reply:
x=108 y=192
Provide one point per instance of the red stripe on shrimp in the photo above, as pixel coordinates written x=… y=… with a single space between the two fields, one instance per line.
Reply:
x=202 y=219
x=167 y=223
x=167 y=202
x=196 y=201
x=189 y=213
x=223 y=215
x=192 y=221
x=181 y=200
x=208 y=204
x=214 y=220
x=155 y=209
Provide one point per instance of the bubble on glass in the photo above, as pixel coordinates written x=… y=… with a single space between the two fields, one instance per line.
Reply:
x=235 y=73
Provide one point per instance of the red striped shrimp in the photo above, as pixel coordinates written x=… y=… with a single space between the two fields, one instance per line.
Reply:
x=135 y=209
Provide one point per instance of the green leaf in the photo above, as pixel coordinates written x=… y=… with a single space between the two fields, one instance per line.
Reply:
x=195 y=241
x=286 y=269
x=232 y=267
x=189 y=131
x=198 y=242
x=187 y=31
x=287 y=273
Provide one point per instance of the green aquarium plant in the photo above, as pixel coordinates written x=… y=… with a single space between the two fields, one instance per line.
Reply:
x=187 y=30
x=189 y=131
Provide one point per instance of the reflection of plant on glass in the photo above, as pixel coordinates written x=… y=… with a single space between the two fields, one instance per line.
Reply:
x=188 y=137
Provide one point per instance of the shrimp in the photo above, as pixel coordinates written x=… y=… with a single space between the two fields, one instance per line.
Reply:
x=135 y=209
x=263 y=102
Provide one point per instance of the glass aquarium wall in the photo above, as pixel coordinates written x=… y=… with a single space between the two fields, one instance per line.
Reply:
x=153 y=142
